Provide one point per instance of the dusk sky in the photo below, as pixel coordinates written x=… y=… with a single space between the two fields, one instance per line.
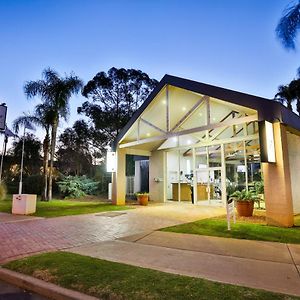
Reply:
x=228 y=43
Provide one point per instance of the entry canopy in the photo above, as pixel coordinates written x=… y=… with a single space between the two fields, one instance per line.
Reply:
x=180 y=113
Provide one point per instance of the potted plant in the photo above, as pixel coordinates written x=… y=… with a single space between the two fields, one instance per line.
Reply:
x=244 y=202
x=142 y=198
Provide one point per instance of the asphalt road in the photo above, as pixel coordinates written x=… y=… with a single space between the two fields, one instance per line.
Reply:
x=9 y=292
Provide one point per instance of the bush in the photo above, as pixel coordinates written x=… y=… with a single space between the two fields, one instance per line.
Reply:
x=3 y=191
x=76 y=187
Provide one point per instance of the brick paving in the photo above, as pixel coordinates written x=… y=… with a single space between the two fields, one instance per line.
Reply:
x=18 y=239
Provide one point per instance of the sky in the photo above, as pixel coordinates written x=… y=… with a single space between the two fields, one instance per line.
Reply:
x=228 y=43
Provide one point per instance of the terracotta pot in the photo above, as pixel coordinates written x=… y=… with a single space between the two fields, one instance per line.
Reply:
x=143 y=199
x=245 y=208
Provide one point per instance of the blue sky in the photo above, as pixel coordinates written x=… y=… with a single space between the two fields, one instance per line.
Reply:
x=229 y=43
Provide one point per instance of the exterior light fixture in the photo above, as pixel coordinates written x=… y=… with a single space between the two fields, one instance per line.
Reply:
x=266 y=140
x=111 y=161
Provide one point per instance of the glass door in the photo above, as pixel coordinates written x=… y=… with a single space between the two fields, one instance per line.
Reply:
x=209 y=185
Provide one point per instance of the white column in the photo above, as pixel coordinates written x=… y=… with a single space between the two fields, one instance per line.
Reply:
x=179 y=187
x=194 y=177
x=223 y=176
x=165 y=183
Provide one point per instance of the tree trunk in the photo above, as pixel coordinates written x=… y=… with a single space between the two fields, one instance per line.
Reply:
x=45 y=166
x=52 y=153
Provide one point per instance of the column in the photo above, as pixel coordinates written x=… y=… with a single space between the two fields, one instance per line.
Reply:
x=277 y=181
x=119 y=179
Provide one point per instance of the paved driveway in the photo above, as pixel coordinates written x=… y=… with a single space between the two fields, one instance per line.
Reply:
x=19 y=239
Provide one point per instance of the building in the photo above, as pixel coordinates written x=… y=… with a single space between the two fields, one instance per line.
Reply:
x=213 y=140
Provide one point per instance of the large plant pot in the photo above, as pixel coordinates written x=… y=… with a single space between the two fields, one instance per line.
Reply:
x=245 y=208
x=143 y=199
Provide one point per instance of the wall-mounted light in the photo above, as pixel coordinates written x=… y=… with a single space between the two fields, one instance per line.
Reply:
x=111 y=161
x=266 y=140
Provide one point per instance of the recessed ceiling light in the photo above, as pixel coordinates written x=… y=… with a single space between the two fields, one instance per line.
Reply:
x=175 y=139
x=214 y=119
x=189 y=142
x=184 y=108
x=148 y=134
x=164 y=102
x=200 y=114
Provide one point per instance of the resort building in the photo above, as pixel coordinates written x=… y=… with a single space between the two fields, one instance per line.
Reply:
x=202 y=142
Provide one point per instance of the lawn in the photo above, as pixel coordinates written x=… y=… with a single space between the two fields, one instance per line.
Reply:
x=246 y=228
x=110 y=280
x=57 y=208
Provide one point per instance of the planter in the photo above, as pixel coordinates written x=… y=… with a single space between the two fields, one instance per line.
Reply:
x=143 y=199
x=245 y=208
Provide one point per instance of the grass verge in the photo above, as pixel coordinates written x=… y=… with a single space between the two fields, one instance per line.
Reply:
x=57 y=208
x=110 y=280
x=248 y=229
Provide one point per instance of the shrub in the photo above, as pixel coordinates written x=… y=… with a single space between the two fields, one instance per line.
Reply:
x=76 y=187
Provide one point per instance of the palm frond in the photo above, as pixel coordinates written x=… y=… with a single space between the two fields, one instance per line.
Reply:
x=288 y=26
x=26 y=120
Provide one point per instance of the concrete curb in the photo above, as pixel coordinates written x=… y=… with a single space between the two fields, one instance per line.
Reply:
x=41 y=287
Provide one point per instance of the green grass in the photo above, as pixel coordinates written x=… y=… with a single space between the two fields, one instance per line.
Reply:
x=109 y=280
x=240 y=230
x=57 y=208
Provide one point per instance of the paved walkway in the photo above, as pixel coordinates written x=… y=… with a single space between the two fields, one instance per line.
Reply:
x=264 y=265
x=18 y=239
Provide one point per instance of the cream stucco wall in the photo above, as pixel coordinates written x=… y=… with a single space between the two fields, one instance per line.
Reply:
x=277 y=179
x=157 y=186
x=294 y=161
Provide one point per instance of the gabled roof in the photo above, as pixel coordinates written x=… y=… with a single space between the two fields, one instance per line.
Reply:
x=267 y=109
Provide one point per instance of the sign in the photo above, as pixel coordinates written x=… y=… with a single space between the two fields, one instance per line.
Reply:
x=230 y=209
x=3 y=110
x=266 y=140
x=111 y=161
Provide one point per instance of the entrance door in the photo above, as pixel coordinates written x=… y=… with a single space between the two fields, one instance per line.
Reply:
x=209 y=185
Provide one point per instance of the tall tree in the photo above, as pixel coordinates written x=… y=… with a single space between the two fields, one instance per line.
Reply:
x=286 y=95
x=289 y=24
x=41 y=117
x=32 y=157
x=115 y=96
x=74 y=154
x=54 y=91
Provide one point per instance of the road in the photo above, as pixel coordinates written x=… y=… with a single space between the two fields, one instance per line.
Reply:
x=9 y=292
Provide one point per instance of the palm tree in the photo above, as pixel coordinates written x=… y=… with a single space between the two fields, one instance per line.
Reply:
x=289 y=25
x=286 y=95
x=41 y=117
x=55 y=92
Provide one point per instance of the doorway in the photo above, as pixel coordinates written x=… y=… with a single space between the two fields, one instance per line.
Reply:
x=209 y=185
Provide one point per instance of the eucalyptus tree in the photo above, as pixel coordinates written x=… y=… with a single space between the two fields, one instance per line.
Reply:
x=55 y=92
x=114 y=97
x=41 y=117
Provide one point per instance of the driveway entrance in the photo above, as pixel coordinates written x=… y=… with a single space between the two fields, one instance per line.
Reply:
x=25 y=238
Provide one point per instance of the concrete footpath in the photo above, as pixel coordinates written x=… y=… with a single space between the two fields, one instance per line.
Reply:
x=263 y=265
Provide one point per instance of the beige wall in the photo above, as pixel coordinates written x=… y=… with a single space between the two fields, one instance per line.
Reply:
x=294 y=162
x=157 y=164
x=278 y=195
x=119 y=179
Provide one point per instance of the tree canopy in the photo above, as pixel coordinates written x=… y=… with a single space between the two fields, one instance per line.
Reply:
x=114 y=96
